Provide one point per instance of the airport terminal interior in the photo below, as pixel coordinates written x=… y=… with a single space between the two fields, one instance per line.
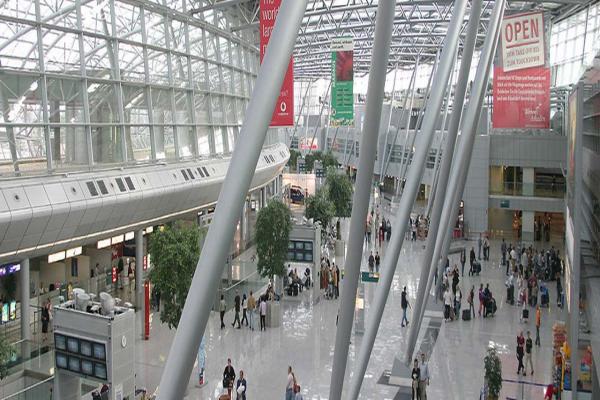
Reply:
x=299 y=199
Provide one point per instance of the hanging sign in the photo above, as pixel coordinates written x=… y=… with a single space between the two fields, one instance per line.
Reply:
x=283 y=115
x=523 y=41
x=521 y=89
x=521 y=98
x=342 y=78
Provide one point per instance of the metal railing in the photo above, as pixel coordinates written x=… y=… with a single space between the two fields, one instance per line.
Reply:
x=38 y=391
x=535 y=190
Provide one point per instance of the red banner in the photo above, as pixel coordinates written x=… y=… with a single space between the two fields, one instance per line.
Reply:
x=283 y=115
x=521 y=98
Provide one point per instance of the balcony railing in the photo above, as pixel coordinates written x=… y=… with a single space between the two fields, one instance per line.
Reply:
x=532 y=190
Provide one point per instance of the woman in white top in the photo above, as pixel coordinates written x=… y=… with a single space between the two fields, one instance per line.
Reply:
x=244 y=310
x=289 y=388
x=263 y=313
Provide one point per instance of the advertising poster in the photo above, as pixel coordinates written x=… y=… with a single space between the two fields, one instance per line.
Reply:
x=523 y=41
x=521 y=89
x=342 y=78
x=521 y=98
x=283 y=115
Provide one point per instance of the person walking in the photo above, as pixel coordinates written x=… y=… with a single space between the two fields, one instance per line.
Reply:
x=263 y=314
x=377 y=262
x=471 y=300
x=423 y=377
x=503 y=250
x=228 y=377
x=222 y=309
x=404 y=304
x=244 y=309
x=334 y=281
x=457 y=302
x=241 y=387
x=481 y=299
x=471 y=261
x=538 y=323
x=45 y=319
x=479 y=244
x=237 y=305
x=251 y=309
x=520 y=353
x=448 y=303
x=371 y=262
x=289 y=387
x=528 y=349
x=463 y=260
x=416 y=377
x=486 y=249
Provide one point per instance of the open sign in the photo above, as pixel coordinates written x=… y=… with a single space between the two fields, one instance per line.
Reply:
x=523 y=41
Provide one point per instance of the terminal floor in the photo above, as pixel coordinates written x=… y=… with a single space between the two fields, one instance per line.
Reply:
x=306 y=339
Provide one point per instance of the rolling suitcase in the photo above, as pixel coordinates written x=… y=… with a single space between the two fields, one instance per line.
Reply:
x=525 y=314
x=466 y=315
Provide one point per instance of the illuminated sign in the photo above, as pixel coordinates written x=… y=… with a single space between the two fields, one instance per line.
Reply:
x=8 y=269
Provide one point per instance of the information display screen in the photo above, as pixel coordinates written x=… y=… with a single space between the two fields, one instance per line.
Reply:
x=73 y=345
x=61 y=360
x=60 y=342
x=85 y=348
x=74 y=364
x=99 y=351
x=87 y=367
x=100 y=371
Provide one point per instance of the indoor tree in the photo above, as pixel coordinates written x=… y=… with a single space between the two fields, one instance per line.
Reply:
x=493 y=373
x=174 y=251
x=320 y=208
x=293 y=161
x=327 y=159
x=339 y=192
x=273 y=227
x=6 y=353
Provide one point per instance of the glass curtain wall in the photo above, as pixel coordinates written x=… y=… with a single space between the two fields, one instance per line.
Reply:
x=94 y=83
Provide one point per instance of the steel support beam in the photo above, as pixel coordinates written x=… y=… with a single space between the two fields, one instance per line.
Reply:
x=360 y=202
x=408 y=197
x=192 y=324
x=462 y=160
x=440 y=191
x=139 y=280
x=25 y=291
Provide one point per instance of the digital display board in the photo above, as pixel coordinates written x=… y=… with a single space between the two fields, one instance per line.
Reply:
x=80 y=356
x=12 y=310
x=85 y=348
x=73 y=345
x=4 y=313
x=100 y=371
x=99 y=351
x=60 y=342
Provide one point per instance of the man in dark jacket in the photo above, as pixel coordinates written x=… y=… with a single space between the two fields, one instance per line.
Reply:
x=237 y=302
x=471 y=261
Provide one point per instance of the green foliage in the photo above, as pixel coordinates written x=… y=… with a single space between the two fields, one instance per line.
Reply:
x=174 y=252
x=273 y=227
x=493 y=372
x=328 y=160
x=293 y=161
x=339 y=191
x=319 y=207
x=6 y=353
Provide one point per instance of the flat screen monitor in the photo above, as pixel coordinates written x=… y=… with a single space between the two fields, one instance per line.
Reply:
x=308 y=246
x=299 y=257
x=60 y=342
x=99 y=351
x=74 y=364
x=61 y=360
x=85 y=348
x=13 y=310
x=308 y=257
x=4 y=313
x=299 y=245
x=73 y=345
x=100 y=371
x=87 y=367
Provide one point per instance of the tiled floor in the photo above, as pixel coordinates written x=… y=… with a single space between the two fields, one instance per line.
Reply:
x=306 y=340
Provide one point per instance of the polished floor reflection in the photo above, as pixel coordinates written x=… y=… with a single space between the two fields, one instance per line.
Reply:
x=306 y=339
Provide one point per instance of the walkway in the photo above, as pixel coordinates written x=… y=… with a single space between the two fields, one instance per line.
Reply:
x=307 y=335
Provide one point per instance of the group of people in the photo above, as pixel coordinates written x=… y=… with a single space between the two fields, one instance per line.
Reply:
x=330 y=278
x=418 y=227
x=483 y=243
x=420 y=378
x=249 y=306
x=295 y=283
x=383 y=227
x=524 y=350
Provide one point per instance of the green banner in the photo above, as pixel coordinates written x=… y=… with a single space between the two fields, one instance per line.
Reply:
x=342 y=82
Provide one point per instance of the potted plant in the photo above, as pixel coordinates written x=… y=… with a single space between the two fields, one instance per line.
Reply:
x=174 y=251
x=6 y=354
x=339 y=191
x=273 y=227
x=493 y=373
x=320 y=208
